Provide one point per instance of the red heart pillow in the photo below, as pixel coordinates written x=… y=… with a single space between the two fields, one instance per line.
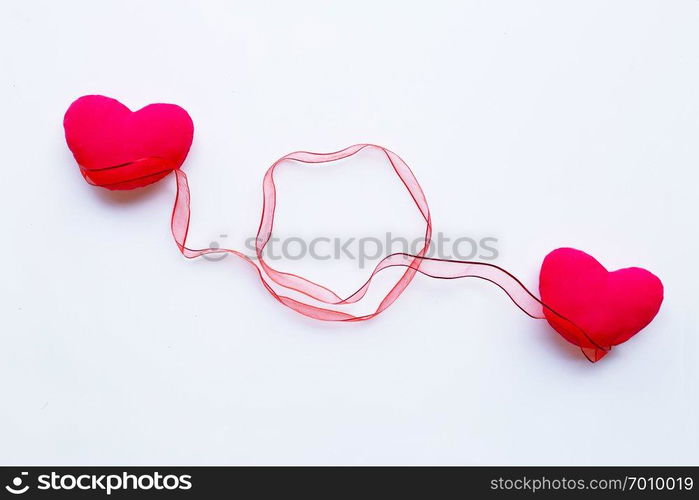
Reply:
x=120 y=149
x=611 y=307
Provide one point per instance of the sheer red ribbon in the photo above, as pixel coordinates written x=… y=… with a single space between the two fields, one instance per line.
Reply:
x=417 y=263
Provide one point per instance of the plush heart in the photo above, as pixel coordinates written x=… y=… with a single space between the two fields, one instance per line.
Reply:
x=120 y=149
x=610 y=307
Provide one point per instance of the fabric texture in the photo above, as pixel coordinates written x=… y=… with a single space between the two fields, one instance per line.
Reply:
x=611 y=307
x=120 y=149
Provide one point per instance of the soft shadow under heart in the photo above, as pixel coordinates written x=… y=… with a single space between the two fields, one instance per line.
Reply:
x=549 y=335
x=131 y=196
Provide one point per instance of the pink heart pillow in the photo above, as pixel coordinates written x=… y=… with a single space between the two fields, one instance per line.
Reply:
x=611 y=307
x=117 y=148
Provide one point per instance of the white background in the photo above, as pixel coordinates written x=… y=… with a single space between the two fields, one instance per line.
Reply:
x=541 y=123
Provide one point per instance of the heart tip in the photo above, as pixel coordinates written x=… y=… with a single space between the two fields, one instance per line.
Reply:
x=594 y=354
